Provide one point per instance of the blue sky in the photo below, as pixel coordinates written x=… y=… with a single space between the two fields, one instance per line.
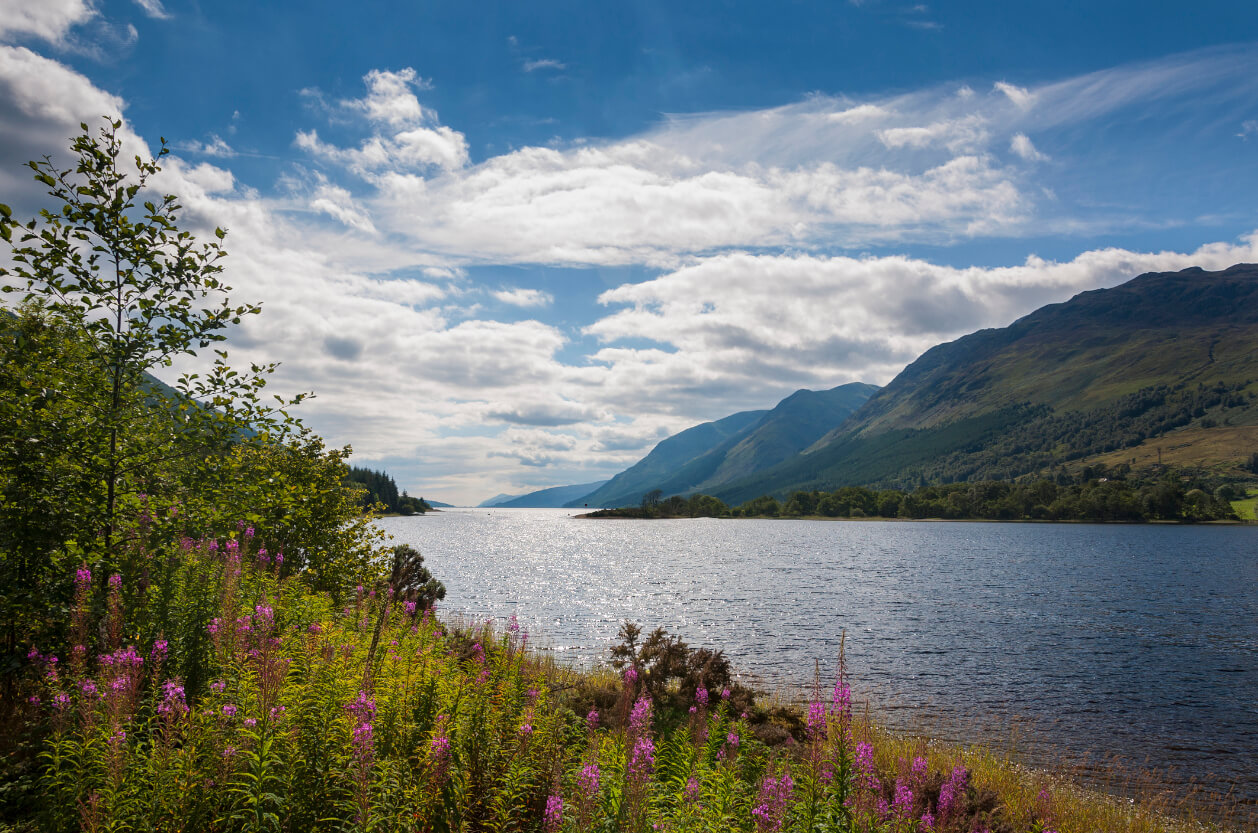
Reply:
x=512 y=245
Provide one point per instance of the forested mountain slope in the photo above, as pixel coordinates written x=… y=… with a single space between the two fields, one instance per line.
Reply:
x=1163 y=357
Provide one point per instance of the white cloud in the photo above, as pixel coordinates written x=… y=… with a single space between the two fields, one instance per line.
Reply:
x=391 y=99
x=1020 y=96
x=42 y=102
x=741 y=325
x=338 y=203
x=215 y=146
x=544 y=63
x=49 y=20
x=524 y=297
x=1023 y=147
x=1249 y=127
x=938 y=165
x=154 y=9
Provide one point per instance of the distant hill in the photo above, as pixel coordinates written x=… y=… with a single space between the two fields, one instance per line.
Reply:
x=1164 y=361
x=497 y=500
x=707 y=456
x=552 y=498
x=436 y=504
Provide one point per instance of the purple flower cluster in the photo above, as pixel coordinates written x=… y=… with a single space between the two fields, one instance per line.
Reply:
x=642 y=754
x=553 y=817
x=591 y=720
x=588 y=780
x=691 y=791
x=363 y=742
x=816 y=720
x=866 y=776
x=902 y=803
x=701 y=696
x=174 y=703
x=952 y=792
x=775 y=797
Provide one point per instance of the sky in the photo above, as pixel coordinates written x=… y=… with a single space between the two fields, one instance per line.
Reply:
x=513 y=245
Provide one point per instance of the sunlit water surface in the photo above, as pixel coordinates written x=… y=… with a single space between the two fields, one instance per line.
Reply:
x=1082 y=645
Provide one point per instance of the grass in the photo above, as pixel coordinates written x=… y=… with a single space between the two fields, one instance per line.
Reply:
x=1247 y=509
x=274 y=708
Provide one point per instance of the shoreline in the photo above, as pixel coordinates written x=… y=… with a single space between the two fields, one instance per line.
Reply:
x=605 y=514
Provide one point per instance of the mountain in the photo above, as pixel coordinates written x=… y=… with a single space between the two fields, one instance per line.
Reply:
x=497 y=500
x=552 y=498
x=1166 y=360
x=703 y=458
x=436 y=504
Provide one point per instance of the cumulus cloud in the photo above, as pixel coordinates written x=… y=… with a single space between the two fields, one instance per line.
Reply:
x=937 y=165
x=49 y=20
x=553 y=412
x=732 y=322
x=1022 y=146
x=524 y=297
x=43 y=101
x=391 y=98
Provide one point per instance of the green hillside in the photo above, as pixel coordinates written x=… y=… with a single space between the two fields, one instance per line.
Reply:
x=703 y=458
x=1109 y=370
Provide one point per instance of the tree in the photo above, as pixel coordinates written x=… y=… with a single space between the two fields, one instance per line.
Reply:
x=139 y=292
x=95 y=451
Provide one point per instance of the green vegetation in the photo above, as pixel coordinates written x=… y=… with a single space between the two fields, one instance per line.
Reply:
x=1246 y=507
x=97 y=457
x=379 y=489
x=1009 y=443
x=1096 y=494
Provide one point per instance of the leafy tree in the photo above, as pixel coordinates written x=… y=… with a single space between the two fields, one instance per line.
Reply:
x=143 y=293
x=94 y=450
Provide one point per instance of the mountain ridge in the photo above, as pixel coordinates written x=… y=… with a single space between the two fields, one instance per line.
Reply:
x=1105 y=370
x=705 y=456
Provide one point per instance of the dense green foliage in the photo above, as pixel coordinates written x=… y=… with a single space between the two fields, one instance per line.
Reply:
x=1092 y=497
x=379 y=487
x=96 y=455
x=1096 y=494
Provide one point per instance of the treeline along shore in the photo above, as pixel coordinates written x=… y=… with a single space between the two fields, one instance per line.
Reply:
x=1096 y=494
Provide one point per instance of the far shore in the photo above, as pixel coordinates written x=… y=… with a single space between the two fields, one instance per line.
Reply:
x=604 y=514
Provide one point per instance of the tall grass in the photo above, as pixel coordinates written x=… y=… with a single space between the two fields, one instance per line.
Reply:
x=226 y=698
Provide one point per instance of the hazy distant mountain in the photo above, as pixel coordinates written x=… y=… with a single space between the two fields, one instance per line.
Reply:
x=667 y=457
x=497 y=500
x=551 y=498
x=1165 y=361
x=436 y=504
x=703 y=458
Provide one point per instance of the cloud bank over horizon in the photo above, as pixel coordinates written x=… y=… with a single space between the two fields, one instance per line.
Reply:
x=711 y=263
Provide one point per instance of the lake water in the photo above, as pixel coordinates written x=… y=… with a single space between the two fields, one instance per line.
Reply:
x=1083 y=645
